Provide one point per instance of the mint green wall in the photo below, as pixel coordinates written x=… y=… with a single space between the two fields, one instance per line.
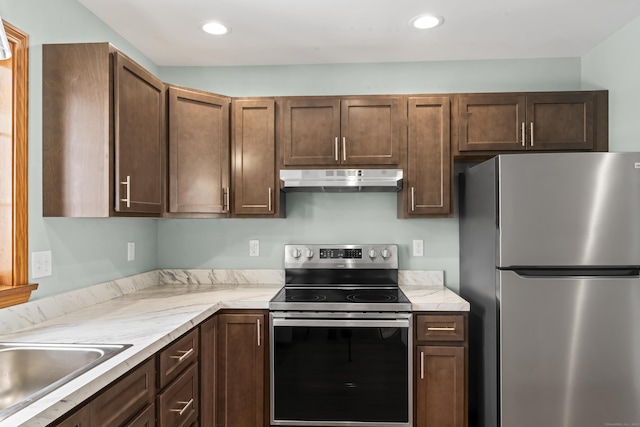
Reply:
x=84 y=251
x=87 y=251
x=615 y=65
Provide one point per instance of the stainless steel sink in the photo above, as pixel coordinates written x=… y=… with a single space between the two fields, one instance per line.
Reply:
x=29 y=371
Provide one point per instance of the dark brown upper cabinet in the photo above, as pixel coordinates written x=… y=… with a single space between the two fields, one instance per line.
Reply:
x=103 y=133
x=255 y=190
x=427 y=181
x=321 y=131
x=199 y=154
x=549 y=121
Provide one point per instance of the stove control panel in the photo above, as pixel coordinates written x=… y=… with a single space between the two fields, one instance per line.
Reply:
x=341 y=256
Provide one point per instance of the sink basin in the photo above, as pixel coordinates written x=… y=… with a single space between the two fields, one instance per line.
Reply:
x=29 y=371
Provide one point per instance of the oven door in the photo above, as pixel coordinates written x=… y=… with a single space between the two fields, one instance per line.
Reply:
x=341 y=369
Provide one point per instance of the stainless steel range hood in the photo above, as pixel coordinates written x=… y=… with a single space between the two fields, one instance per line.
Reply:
x=341 y=180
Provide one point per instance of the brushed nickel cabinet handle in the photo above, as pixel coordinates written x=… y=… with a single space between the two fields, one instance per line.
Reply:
x=344 y=148
x=441 y=329
x=270 y=196
x=226 y=197
x=184 y=408
x=422 y=365
x=531 y=131
x=337 y=149
x=259 y=330
x=522 y=132
x=413 y=199
x=127 y=200
x=184 y=355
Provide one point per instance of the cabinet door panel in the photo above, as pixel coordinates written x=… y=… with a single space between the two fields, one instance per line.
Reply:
x=254 y=157
x=126 y=397
x=178 y=404
x=491 y=122
x=198 y=152
x=561 y=121
x=440 y=389
x=371 y=131
x=139 y=137
x=428 y=182
x=241 y=370
x=311 y=131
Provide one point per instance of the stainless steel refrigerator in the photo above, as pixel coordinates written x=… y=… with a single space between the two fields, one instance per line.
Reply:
x=549 y=260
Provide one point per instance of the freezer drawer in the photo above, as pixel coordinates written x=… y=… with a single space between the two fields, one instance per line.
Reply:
x=569 y=351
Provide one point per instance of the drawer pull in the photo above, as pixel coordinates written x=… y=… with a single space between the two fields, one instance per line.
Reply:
x=183 y=356
x=421 y=365
x=441 y=329
x=184 y=408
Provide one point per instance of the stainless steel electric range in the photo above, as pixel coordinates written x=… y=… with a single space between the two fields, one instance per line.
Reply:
x=341 y=339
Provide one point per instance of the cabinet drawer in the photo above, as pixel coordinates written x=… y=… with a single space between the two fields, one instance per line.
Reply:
x=146 y=418
x=440 y=328
x=178 y=404
x=175 y=358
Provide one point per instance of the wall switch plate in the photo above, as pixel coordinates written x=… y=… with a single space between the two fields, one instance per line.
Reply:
x=418 y=248
x=131 y=251
x=40 y=264
x=254 y=247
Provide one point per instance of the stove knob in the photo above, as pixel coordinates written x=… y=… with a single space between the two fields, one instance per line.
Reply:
x=296 y=253
x=309 y=253
x=372 y=253
x=386 y=253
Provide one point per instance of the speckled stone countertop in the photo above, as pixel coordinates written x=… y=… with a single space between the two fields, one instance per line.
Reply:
x=149 y=313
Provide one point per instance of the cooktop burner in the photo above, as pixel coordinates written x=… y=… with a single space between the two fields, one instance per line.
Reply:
x=338 y=299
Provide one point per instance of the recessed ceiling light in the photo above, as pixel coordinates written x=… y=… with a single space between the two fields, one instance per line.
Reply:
x=424 y=22
x=215 y=28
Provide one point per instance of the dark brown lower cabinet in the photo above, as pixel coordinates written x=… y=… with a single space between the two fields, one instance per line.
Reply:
x=178 y=404
x=440 y=387
x=241 y=380
x=208 y=375
x=124 y=403
x=441 y=370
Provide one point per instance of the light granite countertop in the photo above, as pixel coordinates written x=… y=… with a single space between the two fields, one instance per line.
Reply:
x=150 y=317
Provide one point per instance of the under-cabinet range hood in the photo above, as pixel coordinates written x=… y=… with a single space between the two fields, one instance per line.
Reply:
x=341 y=180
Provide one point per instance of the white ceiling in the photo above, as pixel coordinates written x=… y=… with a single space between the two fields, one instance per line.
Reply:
x=268 y=32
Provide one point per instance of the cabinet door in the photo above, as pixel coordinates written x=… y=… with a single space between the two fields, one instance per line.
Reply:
x=254 y=170
x=80 y=418
x=491 y=122
x=561 y=121
x=440 y=391
x=127 y=397
x=208 y=363
x=241 y=379
x=371 y=131
x=198 y=152
x=428 y=182
x=139 y=138
x=311 y=131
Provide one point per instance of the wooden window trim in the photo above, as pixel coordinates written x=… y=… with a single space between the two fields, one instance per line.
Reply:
x=14 y=286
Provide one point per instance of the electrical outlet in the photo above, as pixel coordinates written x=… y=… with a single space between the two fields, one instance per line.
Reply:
x=131 y=251
x=40 y=264
x=418 y=247
x=254 y=247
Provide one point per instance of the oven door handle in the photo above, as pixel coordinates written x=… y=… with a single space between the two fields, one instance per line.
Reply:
x=345 y=323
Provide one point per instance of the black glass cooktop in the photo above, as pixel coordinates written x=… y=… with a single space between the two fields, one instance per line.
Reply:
x=392 y=299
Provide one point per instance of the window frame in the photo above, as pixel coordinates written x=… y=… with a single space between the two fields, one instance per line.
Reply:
x=16 y=289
